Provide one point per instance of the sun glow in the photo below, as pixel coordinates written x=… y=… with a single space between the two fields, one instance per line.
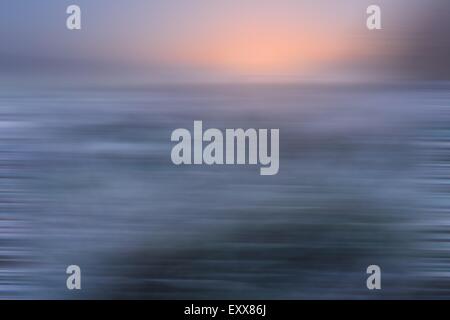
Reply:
x=260 y=51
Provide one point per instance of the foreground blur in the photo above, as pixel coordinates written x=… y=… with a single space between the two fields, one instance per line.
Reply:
x=86 y=179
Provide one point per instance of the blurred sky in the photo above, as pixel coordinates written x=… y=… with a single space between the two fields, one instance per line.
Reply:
x=234 y=39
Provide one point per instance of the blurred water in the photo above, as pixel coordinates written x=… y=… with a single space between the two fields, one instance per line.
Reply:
x=86 y=179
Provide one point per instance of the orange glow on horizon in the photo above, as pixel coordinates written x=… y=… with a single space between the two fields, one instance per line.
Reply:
x=260 y=48
x=263 y=52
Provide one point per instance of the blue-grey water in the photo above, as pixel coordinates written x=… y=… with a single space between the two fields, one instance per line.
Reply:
x=86 y=178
